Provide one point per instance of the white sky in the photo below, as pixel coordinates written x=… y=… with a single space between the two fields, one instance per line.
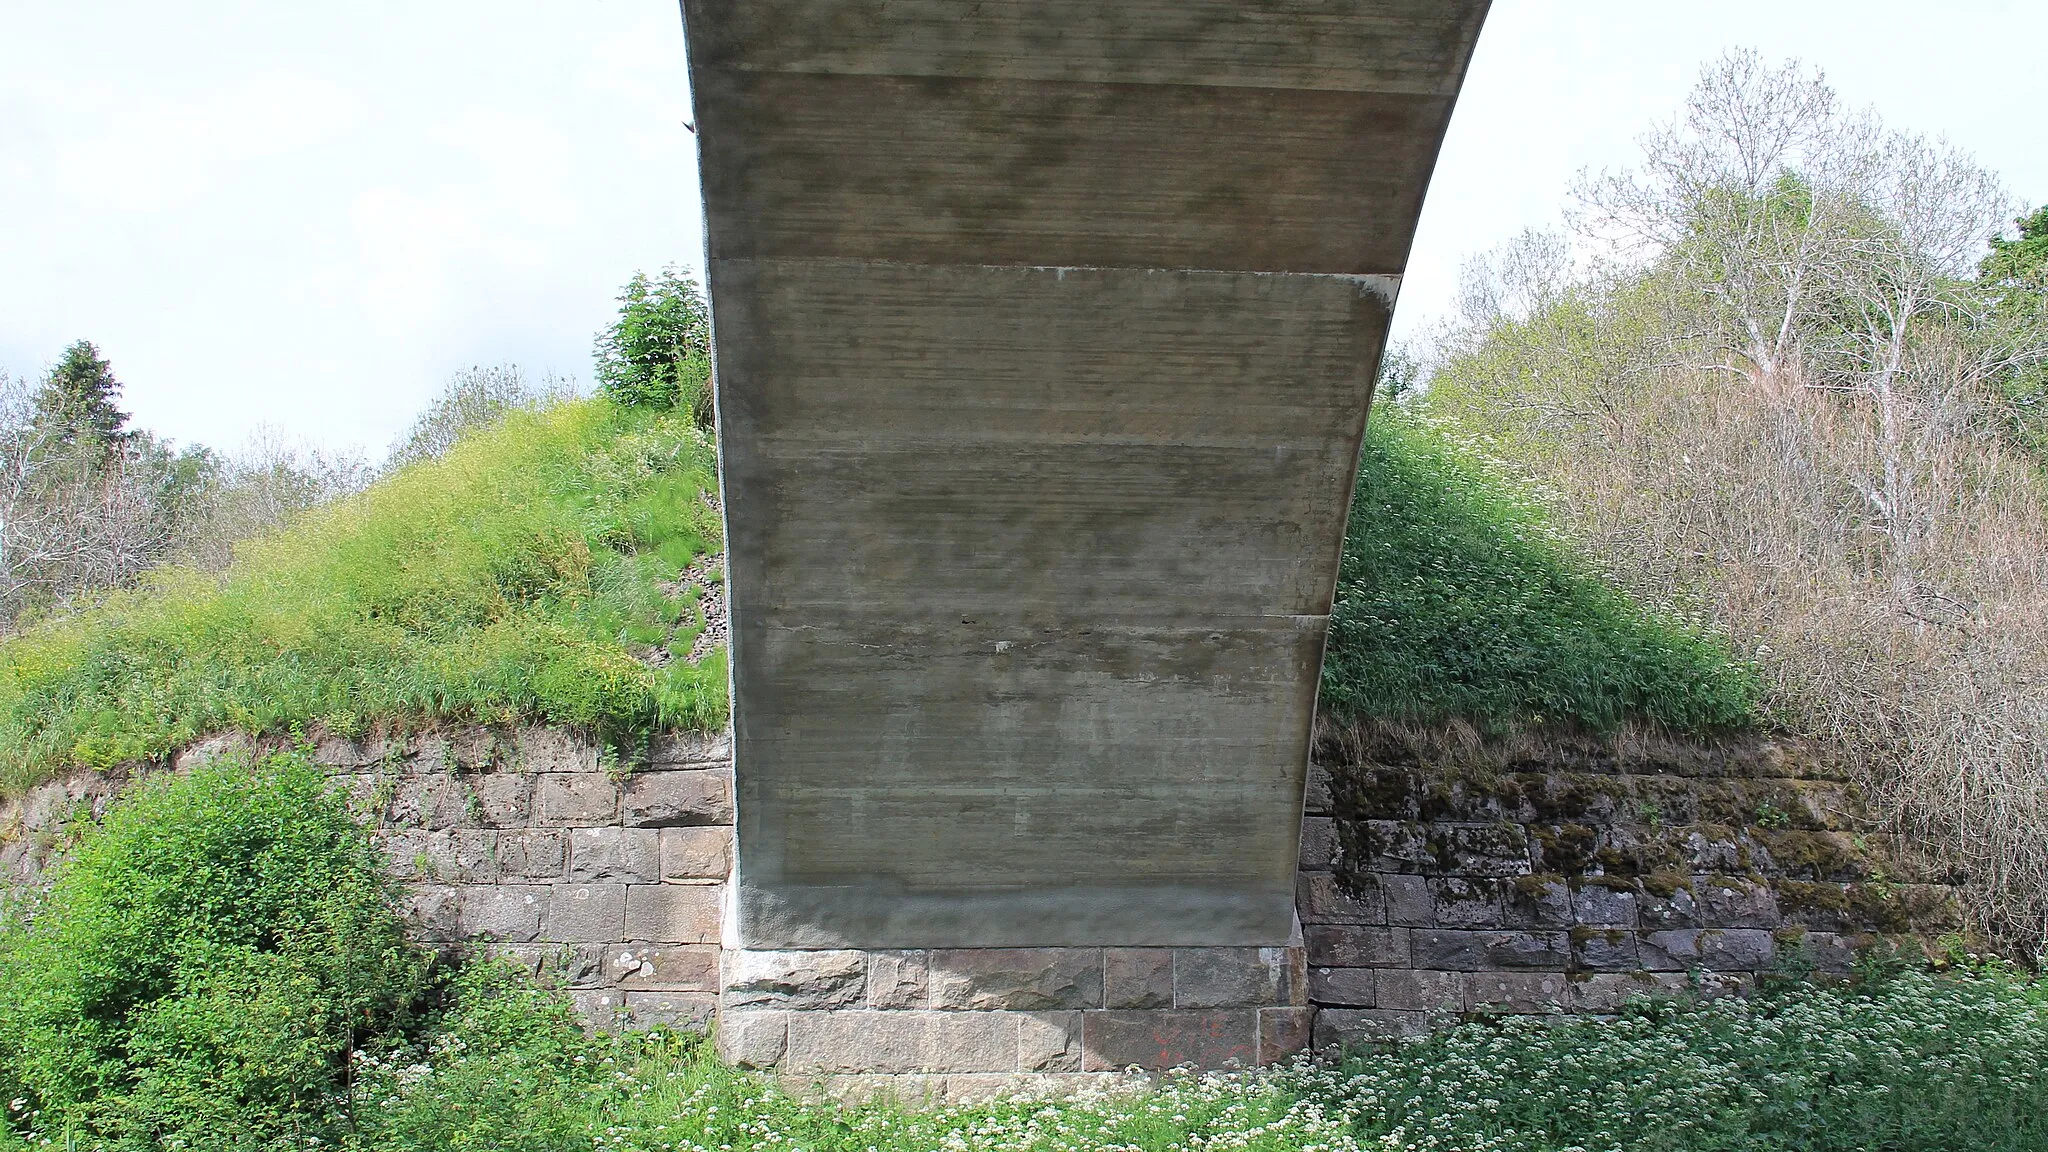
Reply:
x=305 y=217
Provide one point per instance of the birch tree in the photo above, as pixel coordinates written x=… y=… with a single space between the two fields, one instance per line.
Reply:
x=1744 y=195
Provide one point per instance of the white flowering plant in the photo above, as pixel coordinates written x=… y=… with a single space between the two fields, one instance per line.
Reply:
x=1907 y=1062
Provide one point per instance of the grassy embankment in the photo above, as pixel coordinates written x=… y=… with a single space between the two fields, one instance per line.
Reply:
x=515 y=577
x=518 y=577
x=1456 y=601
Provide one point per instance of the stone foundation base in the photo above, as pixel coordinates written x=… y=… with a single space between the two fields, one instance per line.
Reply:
x=1000 y=1012
x=931 y=1090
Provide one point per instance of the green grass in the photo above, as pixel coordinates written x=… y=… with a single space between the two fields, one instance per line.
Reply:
x=1455 y=601
x=513 y=578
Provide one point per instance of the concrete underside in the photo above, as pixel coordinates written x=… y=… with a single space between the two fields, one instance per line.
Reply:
x=1045 y=336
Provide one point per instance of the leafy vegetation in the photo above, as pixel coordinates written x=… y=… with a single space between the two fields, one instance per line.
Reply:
x=530 y=572
x=657 y=354
x=1456 y=601
x=1904 y=1062
x=205 y=962
x=2017 y=272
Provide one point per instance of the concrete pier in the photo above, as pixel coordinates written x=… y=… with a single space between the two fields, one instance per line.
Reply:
x=1045 y=336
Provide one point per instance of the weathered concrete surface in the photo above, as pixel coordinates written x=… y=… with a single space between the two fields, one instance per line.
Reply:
x=1045 y=332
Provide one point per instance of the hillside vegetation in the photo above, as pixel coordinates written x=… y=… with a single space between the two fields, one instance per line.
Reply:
x=537 y=569
x=542 y=569
x=1457 y=601
x=529 y=555
x=1787 y=369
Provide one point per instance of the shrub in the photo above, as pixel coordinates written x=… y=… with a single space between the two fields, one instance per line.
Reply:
x=474 y=399
x=657 y=354
x=204 y=963
x=510 y=1067
x=1456 y=601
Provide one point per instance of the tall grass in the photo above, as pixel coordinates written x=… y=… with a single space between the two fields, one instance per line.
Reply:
x=1457 y=601
x=530 y=573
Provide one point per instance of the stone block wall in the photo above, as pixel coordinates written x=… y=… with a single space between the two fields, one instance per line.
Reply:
x=961 y=1022
x=611 y=880
x=1438 y=880
x=1435 y=882
x=607 y=878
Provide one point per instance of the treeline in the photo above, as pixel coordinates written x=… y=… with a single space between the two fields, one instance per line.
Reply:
x=89 y=502
x=1790 y=374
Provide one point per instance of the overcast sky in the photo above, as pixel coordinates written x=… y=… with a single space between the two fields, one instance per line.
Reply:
x=306 y=217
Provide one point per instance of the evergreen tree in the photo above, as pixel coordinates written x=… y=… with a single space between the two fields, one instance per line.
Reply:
x=79 y=402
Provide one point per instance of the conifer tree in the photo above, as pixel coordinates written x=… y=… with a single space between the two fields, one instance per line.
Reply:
x=79 y=402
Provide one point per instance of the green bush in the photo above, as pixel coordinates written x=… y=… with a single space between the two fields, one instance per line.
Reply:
x=203 y=965
x=657 y=354
x=510 y=1067
x=1455 y=601
x=528 y=573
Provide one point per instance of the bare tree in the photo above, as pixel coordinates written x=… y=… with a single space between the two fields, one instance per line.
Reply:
x=1514 y=280
x=1908 y=337
x=1744 y=195
x=1782 y=392
x=266 y=485
x=474 y=398
x=1824 y=254
x=74 y=517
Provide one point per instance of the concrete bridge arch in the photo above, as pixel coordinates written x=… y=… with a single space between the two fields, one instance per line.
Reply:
x=1045 y=338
